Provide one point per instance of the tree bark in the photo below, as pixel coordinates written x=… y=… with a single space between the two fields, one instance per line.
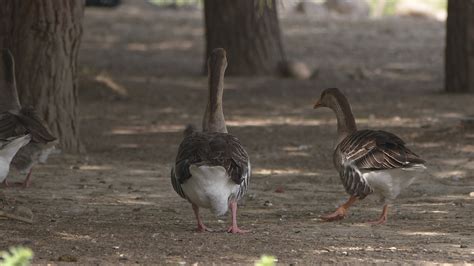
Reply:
x=459 y=53
x=44 y=37
x=249 y=31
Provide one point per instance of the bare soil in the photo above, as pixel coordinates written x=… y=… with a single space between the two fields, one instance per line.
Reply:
x=141 y=81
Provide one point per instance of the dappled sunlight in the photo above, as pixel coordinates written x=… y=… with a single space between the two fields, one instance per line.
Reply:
x=180 y=45
x=128 y=146
x=452 y=115
x=450 y=174
x=288 y=171
x=301 y=150
x=111 y=84
x=237 y=121
x=181 y=82
x=455 y=162
x=240 y=121
x=409 y=233
x=134 y=202
x=467 y=148
x=430 y=144
x=89 y=167
x=69 y=236
x=146 y=129
x=142 y=172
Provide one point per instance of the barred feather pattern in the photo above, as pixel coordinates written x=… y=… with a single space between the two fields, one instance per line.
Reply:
x=370 y=150
x=212 y=149
x=26 y=121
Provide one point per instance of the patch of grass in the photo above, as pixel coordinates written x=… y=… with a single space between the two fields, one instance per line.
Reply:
x=16 y=256
x=266 y=260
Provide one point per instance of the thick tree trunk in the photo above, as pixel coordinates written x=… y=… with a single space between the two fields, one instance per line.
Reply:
x=44 y=37
x=459 y=54
x=250 y=33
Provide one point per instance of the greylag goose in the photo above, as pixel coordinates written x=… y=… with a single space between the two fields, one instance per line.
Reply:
x=368 y=161
x=8 y=148
x=16 y=120
x=212 y=168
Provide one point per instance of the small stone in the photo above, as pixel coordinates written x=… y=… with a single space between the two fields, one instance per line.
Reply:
x=75 y=167
x=294 y=69
x=279 y=190
x=471 y=194
x=267 y=203
x=67 y=258
x=463 y=246
x=123 y=257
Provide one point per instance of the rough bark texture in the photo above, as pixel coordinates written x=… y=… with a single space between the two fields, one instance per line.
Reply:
x=44 y=37
x=250 y=33
x=459 y=55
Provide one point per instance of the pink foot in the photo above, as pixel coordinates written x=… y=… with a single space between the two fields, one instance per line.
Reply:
x=339 y=214
x=383 y=218
x=202 y=228
x=236 y=230
x=378 y=222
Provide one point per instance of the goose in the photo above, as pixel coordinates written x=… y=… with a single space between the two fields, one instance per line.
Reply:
x=368 y=161
x=212 y=168
x=8 y=148
x=16 y=120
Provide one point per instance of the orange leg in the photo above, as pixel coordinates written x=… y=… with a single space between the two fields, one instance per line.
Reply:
x=383 y=217
x=201 y=227
x=234 y=229
x=341 y=212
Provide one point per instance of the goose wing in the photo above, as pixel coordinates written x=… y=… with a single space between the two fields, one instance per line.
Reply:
x=212 y=149
x=369 y=150
x=26 y=121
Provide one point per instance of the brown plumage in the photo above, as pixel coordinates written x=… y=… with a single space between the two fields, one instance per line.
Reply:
x=370 y=150
x=365 y=159
x=17 y=120
x=212 y=149
x=212 y=169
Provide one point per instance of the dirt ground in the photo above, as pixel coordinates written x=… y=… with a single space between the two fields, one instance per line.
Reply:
x=140 y=83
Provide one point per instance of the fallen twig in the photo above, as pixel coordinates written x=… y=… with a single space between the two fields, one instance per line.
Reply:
x=15 y=217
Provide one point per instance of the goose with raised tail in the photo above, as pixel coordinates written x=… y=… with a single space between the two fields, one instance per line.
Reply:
x=368 y=161
x=212 y=168
x=17 y=120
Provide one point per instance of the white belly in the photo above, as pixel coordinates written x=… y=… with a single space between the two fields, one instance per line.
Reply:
x=389 y=183
x=210 y=187
x=4 y=168
x=8 y=151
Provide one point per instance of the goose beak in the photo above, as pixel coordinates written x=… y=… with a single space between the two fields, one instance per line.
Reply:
x=317 y=104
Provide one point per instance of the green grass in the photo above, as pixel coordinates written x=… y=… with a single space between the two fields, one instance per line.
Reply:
x=16 y=256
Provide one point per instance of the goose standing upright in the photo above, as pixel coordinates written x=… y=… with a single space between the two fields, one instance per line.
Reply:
x=16 y=120
x=368 y=160
x=212 y=168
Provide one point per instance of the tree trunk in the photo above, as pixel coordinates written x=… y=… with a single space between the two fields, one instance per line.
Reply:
x=249 y=31
x=44 y=37
x=459 y=54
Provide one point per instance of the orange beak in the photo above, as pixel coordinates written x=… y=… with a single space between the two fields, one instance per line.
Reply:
x=317 y=104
